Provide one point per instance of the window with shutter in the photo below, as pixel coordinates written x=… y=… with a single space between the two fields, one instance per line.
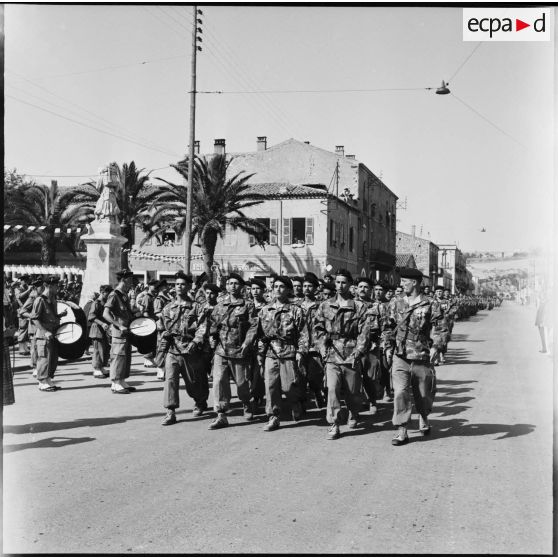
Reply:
x=286 y=231
x=309 y=230
x=273 y=234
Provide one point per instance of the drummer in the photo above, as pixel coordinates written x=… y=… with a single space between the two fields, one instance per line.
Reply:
x=119 y=314
x=46 y=322
x=99 y=333
x=145 y=302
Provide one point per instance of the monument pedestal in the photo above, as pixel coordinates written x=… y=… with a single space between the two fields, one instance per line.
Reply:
x=104 y=246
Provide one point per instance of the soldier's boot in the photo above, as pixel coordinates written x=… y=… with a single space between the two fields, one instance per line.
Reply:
x=273 y=424
x=170 y=418
x=401 y=437
x=333 y=432
x=424 y=425
x=220 y=422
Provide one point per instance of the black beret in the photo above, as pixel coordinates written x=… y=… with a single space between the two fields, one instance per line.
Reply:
x=285 y=280
x=24 y=278
x=364 y=280
x=329 y=285
x=439 y=287
x=258 y=283
x=311 y=278
x=297 y=278
x=386 y=286
x=162 y=283
x=124 y=274
x=410 y=273
x=105 y=288
x=237 y=277
x=344 y=273
x=37 y=282
x=182 y=275
x=153 y=282
x=212 y=287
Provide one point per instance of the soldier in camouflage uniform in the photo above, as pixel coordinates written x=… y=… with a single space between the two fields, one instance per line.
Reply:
x=440 y=328
x=312 y=361
x=257 y=290
x=281 y=329
x=185 y=356
x=341 y=331
x=298 y=295
x=411 y=368
x=232 y=332
x=385 y=343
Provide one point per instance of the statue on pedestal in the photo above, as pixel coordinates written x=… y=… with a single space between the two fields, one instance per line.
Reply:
x=107 y=209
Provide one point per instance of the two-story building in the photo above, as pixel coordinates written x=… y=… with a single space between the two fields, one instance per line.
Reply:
x=324 y=209
x=425 y=254
x=453 y=260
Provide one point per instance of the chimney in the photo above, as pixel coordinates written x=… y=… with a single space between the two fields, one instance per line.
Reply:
x=414 y=230
x=219 y=147
x=340 y=150
x=350 y=156
x=261 y=144
x=197 y=147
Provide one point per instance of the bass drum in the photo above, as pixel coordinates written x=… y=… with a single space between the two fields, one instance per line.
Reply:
x=143 y=335
x=71 y=336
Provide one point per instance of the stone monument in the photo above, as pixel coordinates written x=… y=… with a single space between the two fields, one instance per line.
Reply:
x=103 y=239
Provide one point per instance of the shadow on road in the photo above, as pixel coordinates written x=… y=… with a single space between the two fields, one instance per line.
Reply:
x=52 y=442
x=461 y=356
x=38 y=427
x=461 y=427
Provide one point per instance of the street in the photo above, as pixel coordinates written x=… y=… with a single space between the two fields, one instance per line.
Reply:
x=86 y=471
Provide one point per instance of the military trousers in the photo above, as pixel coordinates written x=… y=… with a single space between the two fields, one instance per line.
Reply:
x=241 y=371
x=101 y=351
x=121 y=359
x=314 y=373
x=416 y=376
x=281 y=376
x=371 y=374
x=47 y=358
x=257 y=384
x=33 y=350
x=193 y=369
x=343 y=376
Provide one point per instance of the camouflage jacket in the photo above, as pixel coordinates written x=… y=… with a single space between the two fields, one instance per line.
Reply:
x=387 y=327
x=413 y=325
x=200 y=320
x=341 y=331
x=233 y=324
x=281 y=329
x=179 y=321
x=309 y=309
x=441 y=308
x=44 y=316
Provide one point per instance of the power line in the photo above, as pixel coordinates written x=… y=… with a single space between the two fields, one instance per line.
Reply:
x=271 y=91
x=91 y=127
x=465 y=61
x=489 y=121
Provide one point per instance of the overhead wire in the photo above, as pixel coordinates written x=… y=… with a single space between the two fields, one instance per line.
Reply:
x=488 y=121
x=464 y=62
x=89 y=126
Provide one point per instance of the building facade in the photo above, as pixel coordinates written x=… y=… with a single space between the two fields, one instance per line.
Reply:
x=425 y=254
x=453 y=260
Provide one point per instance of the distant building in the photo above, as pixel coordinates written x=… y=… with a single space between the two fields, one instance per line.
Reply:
x=453 y=260
x=425 y=254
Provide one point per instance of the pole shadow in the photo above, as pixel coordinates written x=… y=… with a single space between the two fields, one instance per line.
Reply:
x=52 y=442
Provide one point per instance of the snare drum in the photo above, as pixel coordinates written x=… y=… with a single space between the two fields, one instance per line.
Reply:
x=71 y=336
x=143 y=335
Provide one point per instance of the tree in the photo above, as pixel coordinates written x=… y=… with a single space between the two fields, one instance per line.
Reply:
x=217 y=202
x=27 y=203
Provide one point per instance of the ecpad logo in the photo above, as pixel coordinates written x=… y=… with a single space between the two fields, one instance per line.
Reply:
x=507 y=24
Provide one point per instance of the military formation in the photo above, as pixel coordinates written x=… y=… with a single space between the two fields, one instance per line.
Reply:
x=340 y=343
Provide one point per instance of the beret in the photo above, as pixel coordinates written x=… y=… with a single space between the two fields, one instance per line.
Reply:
x=345 y=273
x=124 y=274
x=311 y=278
x=37 y=282
x=297 y=278
x=285 y=280
x=163 y=283
x=364 y=280
x=212 y=287
x=105 y=288
x=439 y=287
x=258 y=283
x=52 y=280
x=237 y=277
x=329 y=285
x=182 y=275
x=410 y=273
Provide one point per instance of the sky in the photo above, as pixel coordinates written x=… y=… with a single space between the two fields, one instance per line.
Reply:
x=86 y=85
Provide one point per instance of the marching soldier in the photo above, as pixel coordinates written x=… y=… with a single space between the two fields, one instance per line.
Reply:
x=232 y=332
x=342 y=332
x=298 y=296
x=46 y=322
x=312 y=361
x=440 y=328
x=99 y=333
x=145 y=302
x=257 y=290
x=387 y=340
x=118 y=313
x=161 y=300
x=411 y=368
x=281 y=328
x=184 y=355
x=22 y=293
x=25 y=313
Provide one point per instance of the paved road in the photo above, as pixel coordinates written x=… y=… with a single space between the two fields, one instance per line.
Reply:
x=89 y=471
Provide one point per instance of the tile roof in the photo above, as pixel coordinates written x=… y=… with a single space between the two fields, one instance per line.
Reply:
x=285 y=190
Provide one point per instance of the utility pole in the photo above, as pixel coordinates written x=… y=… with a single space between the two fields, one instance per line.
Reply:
x=188 y=229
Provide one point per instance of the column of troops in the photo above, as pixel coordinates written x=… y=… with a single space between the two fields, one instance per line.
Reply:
x=319 y=342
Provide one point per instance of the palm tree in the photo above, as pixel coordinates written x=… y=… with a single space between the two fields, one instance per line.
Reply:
x=217 y=201
x=29 y=204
